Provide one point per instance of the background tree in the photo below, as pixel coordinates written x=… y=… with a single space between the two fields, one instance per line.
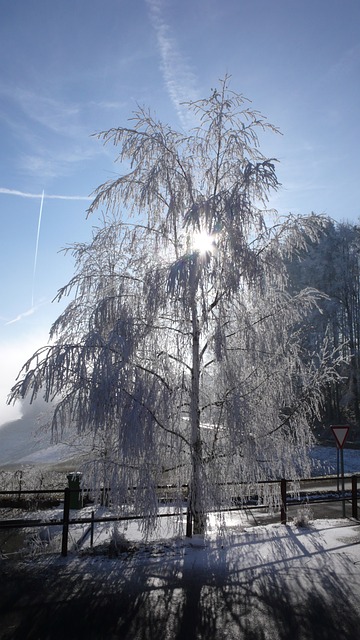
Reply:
x=181 y=351
x=332 y=265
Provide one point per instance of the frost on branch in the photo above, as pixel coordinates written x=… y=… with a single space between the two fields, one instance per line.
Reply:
x=185 y=366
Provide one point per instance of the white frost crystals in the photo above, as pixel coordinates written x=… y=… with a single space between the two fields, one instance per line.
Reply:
x=161 y=338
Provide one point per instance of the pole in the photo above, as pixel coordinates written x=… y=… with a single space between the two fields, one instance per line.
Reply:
x=283 y=501
x=338 y=467
x=65 y=531
x=92 y=530
x=354 y=504
x=189 y=529
x=342 y=481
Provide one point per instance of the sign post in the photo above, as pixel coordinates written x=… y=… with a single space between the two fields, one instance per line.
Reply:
x=340 y=434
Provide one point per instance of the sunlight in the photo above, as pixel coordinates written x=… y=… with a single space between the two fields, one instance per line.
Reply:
x=203 y=242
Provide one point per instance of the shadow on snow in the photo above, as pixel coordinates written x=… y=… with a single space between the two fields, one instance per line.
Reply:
x=282 y=584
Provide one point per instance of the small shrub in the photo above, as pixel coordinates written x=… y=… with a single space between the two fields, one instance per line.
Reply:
x=118 y=543
x=303 y=517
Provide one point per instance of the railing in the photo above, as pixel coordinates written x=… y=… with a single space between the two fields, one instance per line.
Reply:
x=326 y=496
x=286 y=500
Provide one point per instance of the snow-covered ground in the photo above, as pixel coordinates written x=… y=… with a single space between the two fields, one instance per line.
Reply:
x=324 y=460
x=270 y=582
x=273 y=582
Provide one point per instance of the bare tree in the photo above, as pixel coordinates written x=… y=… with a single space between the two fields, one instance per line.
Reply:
x=180 y=350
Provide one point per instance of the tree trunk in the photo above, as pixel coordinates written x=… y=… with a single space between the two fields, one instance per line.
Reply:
x=196 y=483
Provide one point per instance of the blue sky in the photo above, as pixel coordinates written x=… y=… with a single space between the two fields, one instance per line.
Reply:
x=72 y=68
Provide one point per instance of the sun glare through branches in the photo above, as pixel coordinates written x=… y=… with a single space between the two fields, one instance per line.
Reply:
x=203 y=242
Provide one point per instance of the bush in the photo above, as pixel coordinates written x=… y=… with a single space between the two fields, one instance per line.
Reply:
x=303 y=517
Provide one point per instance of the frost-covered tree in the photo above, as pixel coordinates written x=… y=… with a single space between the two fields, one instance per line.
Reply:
x=180 y=350
x=332 y=265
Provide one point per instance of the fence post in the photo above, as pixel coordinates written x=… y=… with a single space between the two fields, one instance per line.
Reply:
x=188 y=523
x=92 y=530
x=65 y=531
x=283 y=501
x=354 y=503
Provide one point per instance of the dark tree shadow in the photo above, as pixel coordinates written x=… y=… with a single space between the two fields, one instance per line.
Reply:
x=246 y=590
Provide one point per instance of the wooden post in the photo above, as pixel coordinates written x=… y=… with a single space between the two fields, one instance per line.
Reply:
x=65 y=531
x=188 y=523
x=283 y=501
x=354 y=502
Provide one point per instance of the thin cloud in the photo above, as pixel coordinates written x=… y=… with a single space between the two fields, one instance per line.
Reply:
x=179 y=79
x=56 y=116
x=54 y=134
x=19 y=317
x=25 y=194
x=25 y=314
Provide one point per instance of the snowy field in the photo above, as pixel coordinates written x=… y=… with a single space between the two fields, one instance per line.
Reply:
x=21 y=443
x=324 y=459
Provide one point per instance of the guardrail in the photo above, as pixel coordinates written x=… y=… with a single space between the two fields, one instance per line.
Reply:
x=286 y=500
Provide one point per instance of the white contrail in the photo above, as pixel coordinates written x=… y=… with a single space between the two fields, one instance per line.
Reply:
x=180 y=80
x=22 y=315
x=37 y=247
x=25 y=194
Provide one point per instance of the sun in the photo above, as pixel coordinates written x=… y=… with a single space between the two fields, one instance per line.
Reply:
x=203 y=242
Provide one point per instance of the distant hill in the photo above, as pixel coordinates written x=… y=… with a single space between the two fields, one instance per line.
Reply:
x=26 y=441
x=20 y=438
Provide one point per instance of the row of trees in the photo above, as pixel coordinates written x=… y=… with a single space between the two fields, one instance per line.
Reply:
x=332 y=265
x=186 y=351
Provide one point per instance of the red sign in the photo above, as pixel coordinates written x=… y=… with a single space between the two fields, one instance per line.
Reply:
x=340 y=434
